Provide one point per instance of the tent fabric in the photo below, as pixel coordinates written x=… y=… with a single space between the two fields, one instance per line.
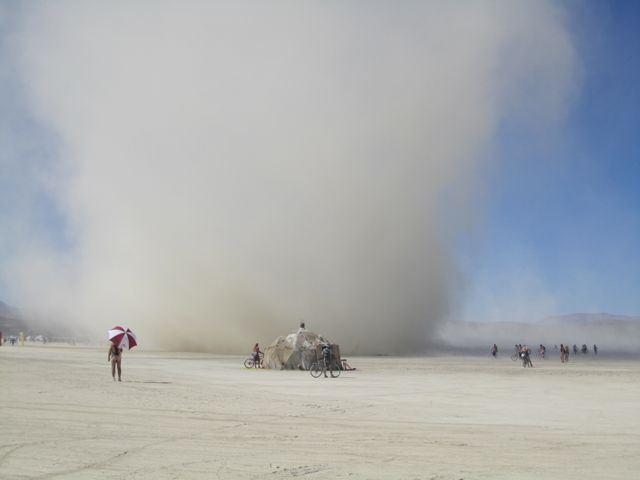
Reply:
x=296 y=351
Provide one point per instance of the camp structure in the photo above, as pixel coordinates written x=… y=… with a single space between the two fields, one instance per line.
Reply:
x=297 y=351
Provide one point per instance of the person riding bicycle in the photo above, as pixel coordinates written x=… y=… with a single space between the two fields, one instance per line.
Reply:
x=326 y=355
x=256 y=356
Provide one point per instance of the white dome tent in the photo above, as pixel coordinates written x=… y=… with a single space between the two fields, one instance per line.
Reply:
x=297 y=351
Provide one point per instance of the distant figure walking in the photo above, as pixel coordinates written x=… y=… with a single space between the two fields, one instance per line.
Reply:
x=575 y=349
x=564 y=353
x=542 y=350
x=595 y=349
x=526 y=356
x=115 y=357
x=494 y=351
x=584 y=349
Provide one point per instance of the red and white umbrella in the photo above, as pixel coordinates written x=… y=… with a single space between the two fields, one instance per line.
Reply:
x=122 y=337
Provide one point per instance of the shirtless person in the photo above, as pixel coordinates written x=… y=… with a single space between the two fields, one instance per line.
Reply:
x=256 y=356
x=115 y=357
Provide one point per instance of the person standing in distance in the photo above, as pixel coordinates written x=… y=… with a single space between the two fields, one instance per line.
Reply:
x=326 y=355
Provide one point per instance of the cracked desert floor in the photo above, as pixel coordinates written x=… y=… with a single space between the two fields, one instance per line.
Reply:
x=197 y=416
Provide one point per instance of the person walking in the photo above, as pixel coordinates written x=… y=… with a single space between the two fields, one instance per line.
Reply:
x=542 y=350
x=115 y=357
x=494 y=351
x=526 y=356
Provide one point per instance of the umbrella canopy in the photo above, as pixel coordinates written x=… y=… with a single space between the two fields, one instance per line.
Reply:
x=122 y=337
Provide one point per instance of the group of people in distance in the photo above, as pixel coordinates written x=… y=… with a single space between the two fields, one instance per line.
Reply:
x=524 y=352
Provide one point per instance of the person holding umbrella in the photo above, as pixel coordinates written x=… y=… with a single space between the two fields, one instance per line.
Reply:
x=120 y=338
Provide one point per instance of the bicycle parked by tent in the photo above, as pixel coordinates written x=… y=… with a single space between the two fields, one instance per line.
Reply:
x=319 y=367
x=327 y=358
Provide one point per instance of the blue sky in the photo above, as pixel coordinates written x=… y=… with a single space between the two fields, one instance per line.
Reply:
x=566 y=208
x=560 y=225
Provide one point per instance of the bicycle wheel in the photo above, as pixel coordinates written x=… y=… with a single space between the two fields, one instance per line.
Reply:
x=515 y=356
x=315 y=370
x=248 y=363
x=335 y=371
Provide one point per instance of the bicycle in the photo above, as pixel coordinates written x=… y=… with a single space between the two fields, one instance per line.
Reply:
x=250 y=362
x=516 y=356
x=319 y=367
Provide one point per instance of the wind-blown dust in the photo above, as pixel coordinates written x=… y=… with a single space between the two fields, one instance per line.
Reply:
x=229 y=168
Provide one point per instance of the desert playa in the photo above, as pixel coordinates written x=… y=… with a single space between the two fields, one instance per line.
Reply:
x=197 y=416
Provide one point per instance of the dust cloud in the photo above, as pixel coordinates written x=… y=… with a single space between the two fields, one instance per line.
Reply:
x=227 y=169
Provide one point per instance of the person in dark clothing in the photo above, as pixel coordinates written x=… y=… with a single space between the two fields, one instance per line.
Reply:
x=256 y=356
x=326 y=356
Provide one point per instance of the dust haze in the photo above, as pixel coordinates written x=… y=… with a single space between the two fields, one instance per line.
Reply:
x=228 y=169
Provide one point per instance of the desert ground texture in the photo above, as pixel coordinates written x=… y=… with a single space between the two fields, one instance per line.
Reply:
x=198 y=416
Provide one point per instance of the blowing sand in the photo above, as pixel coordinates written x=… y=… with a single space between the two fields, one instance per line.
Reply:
x=190 y=416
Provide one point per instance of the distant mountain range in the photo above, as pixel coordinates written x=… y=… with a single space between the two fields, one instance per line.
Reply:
x=13 y=321
x=590 y=318
x=619 y=333
x=6 y=310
